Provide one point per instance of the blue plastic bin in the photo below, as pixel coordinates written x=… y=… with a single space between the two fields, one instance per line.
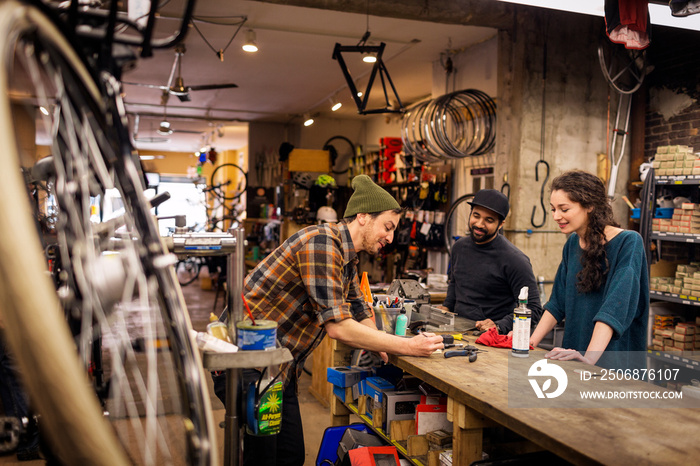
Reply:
x=660 y=212
x=328 y=451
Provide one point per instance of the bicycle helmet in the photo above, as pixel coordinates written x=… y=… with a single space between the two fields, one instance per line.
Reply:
x=326 y=214
x=305 y=179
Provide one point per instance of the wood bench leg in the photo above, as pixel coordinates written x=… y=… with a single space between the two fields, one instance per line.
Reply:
x=340 y=414
x=468 y=433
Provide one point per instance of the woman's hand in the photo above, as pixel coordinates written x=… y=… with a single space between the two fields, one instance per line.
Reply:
x=562 y=354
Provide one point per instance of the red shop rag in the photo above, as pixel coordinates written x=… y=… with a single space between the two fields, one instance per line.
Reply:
x=491 y=337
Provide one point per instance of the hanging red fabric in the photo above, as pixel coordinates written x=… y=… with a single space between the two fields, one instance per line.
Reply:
x=627 y=23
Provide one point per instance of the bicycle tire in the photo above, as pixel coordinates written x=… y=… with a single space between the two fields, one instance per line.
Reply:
x=623 y=69
x=457 y=221
x=222 y=171
x=187 y=271
x=157 y=398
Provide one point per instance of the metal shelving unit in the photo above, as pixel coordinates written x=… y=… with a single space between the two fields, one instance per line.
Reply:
x=693 y=302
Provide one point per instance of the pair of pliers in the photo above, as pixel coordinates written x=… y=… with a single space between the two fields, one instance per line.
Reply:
x=469 y=350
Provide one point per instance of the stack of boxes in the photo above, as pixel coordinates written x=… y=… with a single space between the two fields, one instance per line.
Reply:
x=678 y=337
x=663 y=331
x=676 y=161
x=686 y=219
x=686 y=281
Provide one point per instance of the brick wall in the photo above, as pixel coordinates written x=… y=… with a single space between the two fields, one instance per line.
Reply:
x=673 y=62
x=682 y=129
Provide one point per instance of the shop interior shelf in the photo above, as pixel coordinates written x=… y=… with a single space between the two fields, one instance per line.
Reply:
x=400 y=446
x=690 y=362
x=678 y=179
x=677 y=237
x=675 y=298
x=245 y=359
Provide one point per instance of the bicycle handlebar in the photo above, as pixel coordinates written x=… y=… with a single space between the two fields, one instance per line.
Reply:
x=144 y=35
x=158 y=199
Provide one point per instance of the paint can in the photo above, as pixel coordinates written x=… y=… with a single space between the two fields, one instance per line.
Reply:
x=261 y=336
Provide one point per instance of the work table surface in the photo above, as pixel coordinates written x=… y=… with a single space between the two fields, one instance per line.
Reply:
x=584 y=434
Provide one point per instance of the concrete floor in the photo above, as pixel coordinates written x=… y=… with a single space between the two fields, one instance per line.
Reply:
x=315 y=417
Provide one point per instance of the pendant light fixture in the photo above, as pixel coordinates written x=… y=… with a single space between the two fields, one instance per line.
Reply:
x=250 y=44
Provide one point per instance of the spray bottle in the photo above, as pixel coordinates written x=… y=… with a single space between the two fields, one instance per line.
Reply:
x=522 y=317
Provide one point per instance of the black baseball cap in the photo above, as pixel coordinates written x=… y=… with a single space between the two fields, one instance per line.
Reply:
x=492 y=200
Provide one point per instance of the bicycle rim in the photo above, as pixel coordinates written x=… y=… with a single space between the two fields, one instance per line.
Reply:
x=233 y=180
x=109 y=286
x=187 y=271
x=457 y=221
x=623 y=69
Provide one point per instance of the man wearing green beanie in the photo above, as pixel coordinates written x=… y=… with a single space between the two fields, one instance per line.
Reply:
x=309 y=285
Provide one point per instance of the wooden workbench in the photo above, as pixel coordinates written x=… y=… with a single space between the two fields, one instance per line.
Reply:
x=478 y=396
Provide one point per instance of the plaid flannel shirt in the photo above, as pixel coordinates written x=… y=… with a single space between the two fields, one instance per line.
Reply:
x=309 y=280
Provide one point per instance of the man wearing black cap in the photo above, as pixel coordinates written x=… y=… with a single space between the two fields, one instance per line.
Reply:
x=309 y=286
x=487 y=271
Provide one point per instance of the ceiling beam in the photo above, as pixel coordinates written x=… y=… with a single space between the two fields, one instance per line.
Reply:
x=485 y=13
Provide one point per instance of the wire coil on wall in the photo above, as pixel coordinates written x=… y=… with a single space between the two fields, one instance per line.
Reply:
x=452 y=126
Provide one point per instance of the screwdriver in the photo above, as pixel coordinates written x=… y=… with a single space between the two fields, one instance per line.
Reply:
x=450 y=339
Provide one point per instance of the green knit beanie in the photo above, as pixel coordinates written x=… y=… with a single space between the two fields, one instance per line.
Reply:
x=369 y=198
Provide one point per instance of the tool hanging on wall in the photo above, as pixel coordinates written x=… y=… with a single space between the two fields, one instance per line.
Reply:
x=625 y=71
x=544 y=184
x=542 y=140
x=505 y=187
x=624 y=102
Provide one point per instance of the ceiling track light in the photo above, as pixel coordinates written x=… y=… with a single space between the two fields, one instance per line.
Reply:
x=164 y=128
x=308 y=120
x=250 y=44
x=335 y=104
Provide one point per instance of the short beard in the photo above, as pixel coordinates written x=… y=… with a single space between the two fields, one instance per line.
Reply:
x=485 y=239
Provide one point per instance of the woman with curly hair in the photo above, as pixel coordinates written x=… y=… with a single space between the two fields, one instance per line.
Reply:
x=602 y=284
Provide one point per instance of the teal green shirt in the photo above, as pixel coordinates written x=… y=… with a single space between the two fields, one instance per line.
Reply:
x=622 y=301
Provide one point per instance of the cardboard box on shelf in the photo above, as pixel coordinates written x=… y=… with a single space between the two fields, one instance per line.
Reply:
x=686 y=328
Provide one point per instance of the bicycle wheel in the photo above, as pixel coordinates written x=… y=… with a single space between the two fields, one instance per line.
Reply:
x=226 y=175
x=624 y=69
x=187 y=271
x=109 y=285
x=457 y=221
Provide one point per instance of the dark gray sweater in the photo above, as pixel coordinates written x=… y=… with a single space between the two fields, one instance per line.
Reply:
x=485 y=280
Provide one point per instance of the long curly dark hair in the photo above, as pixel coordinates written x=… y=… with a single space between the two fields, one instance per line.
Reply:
x=589 y=191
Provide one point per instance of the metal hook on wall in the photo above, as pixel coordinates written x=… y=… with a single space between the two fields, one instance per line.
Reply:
x=544 y=183
x=505 y=187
